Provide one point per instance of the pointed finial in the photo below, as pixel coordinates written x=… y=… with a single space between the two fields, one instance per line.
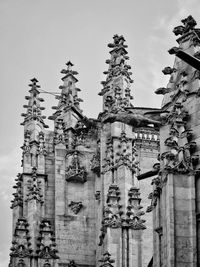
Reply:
x=69 y=65
x=34 y=86
x=33 y=108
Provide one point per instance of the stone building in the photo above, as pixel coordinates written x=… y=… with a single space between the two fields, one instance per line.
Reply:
x=119 y=190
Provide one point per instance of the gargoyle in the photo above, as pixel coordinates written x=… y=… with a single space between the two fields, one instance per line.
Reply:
x=134 y=119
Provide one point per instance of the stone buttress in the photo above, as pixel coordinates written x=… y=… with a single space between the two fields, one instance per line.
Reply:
x=33 y=243
x=124 y=132
x=78 y=201
x=176 y=190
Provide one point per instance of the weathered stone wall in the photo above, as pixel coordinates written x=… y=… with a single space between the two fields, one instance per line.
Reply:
x=147 y=150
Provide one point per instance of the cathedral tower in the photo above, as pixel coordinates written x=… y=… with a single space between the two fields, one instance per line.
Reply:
x=78 y=201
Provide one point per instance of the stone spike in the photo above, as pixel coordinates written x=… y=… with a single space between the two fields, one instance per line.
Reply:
x=33 y=108
x=116 y=87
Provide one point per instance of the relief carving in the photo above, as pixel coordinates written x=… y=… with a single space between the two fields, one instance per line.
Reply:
x=76 y=206
x=134 y=213
x=46 y=241
x=75 y=172
x=21 y=246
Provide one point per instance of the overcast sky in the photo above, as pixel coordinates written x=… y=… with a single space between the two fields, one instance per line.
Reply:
x=38 y=37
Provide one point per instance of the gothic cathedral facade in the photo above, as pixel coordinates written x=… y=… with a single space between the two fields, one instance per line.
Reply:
x=119 y=190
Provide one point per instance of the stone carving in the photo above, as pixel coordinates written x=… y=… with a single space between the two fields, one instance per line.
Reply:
x=189 y=24
x=18 y=195
x=146 y=138
x=108 y=161
x=26 y=146
x=157 y=188
x=69 y=95
x=75 y=172
x=117 y=95
x=33 y=107
x=112 y=212
x=130 y=118
x=46 y=241
x=34 y=190
x=41 y=144
x=106 y=260
x=95 y=163
x=125 y=156
x=134 y=213
x=76 y=206
x=21 y=244
x=178 y=159
x=59 y=137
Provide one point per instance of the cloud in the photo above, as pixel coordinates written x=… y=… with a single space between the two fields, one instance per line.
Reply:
x=162 y=38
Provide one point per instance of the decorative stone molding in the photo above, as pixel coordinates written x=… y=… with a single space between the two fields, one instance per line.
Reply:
x=41 y=144
x=134 y=212
x=108 y=160
x=106 y=260
x=34 y=190
x=26 y=146
x=46 y=241
x=59 y=137
x=21 y=246
x=111 y=213
x=178 y=158
x=116 y=88
x=95 y=163
x=75 y=172
x=157 y=189
x=33 y=108
x=18 y=195
x=76 y=206
x=147 y=138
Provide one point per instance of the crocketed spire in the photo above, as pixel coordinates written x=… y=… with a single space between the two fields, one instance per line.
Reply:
x=116 y=87
x=34 y=109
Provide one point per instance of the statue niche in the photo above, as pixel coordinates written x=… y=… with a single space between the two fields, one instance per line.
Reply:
x=75 y=172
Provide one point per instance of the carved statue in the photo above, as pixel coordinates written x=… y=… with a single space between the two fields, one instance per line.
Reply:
x=130 y=118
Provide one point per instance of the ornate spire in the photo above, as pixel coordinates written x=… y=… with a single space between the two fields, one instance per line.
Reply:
x=21 y=241
x=134 y=212
x=33 y=108
x=46 y=241
x=69 y=94
x=18 y=195
x=34 y=190
x=116 y=87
